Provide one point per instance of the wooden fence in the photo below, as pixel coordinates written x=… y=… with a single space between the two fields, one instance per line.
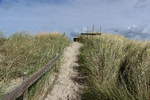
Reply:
x=19 y=93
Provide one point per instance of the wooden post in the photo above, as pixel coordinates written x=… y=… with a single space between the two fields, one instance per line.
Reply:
x=25 y=95
x=20 y=98
x=93 y=28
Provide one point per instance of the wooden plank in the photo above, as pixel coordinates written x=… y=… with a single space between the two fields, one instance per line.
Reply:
x=95 y=33
x=20 y=90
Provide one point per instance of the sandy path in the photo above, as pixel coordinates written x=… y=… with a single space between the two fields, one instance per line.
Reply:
x=65 y=88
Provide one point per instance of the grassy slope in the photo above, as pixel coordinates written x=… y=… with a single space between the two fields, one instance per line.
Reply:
x=24 y=54
x=115 y=68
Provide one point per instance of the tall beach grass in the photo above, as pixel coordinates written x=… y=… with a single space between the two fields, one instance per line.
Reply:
x=23 y=54
x=115 y=68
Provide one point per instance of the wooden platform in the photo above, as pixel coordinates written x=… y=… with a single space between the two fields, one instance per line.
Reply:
x=76 y=39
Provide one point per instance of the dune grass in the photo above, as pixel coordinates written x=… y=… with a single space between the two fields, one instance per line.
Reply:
x=115 y=68
x=23 y=54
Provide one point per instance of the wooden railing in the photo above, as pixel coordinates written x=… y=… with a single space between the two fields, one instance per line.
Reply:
x=19 y=93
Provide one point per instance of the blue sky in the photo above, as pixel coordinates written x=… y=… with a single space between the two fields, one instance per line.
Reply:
x=128 y=17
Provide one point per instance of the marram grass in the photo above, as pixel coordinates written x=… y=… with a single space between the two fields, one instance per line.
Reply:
x=23 y=54
x=115 y=68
